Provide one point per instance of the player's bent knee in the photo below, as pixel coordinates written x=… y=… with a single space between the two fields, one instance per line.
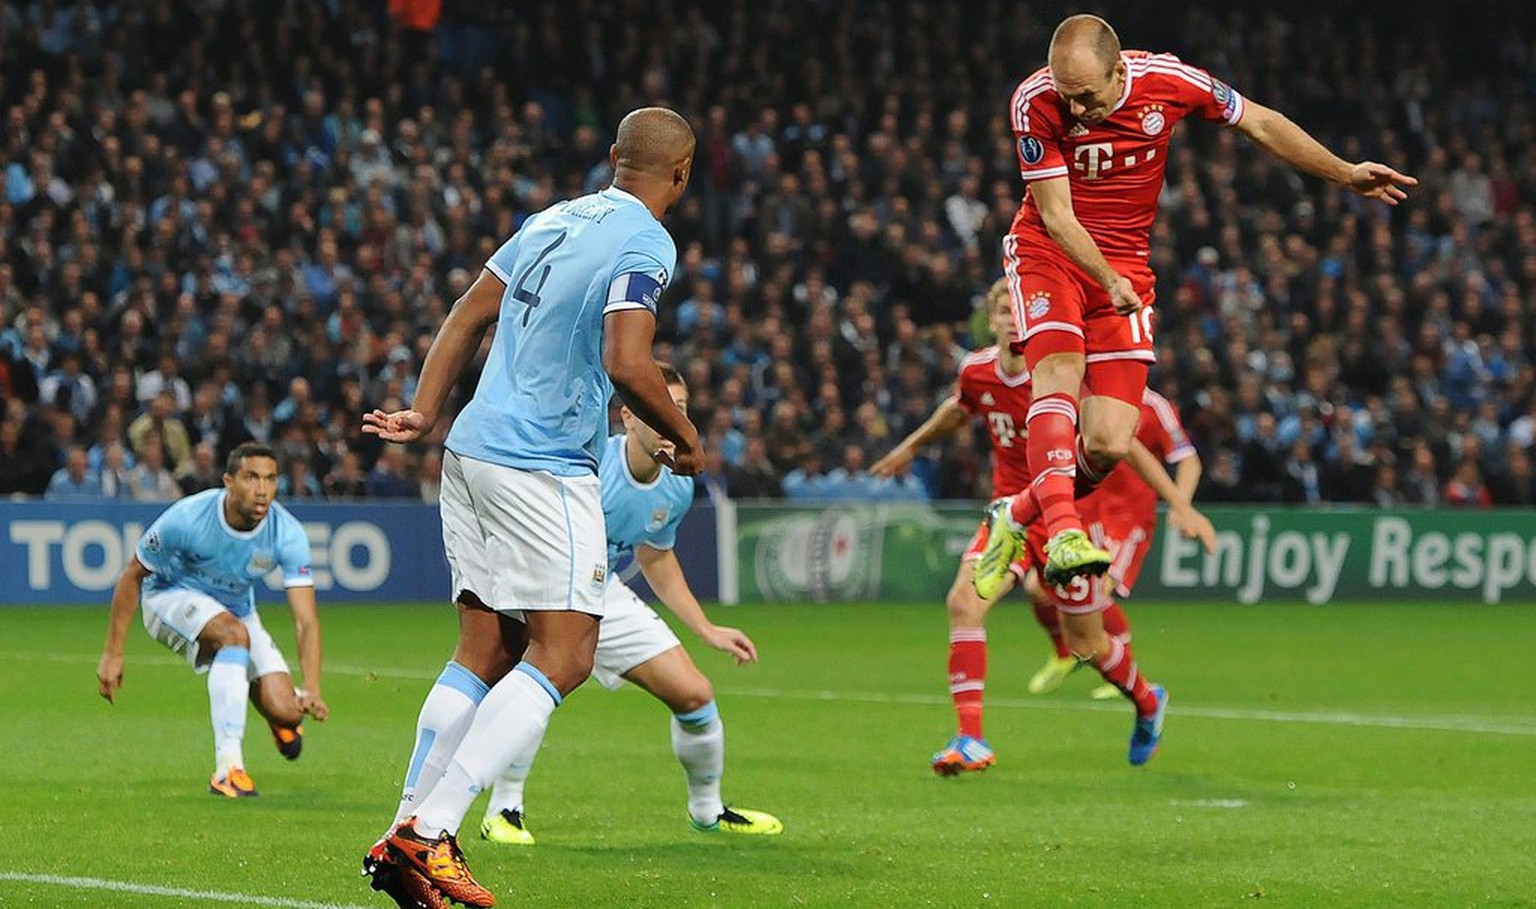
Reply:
x=224 y=631
x=1106 y=445
x=966 y=607
x=691 y=696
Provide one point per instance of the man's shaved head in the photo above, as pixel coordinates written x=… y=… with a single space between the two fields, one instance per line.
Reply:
x=652 y=140
x=1081 y=37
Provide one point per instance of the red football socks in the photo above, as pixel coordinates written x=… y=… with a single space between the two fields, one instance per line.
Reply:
x=1052 y=452
x=1118 y=667
x=968 y=676
x=1115 y=623
x=1050 y=620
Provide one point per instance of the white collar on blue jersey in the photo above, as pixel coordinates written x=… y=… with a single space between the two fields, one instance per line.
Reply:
x=626 y=194
x=630 y=474
x=229 y=529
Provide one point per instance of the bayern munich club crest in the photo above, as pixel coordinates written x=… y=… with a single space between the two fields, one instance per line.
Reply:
x=1152 y=120
x=1038 y=304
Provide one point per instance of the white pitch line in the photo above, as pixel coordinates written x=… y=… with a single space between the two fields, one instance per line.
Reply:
x=1429 y=723
x=212 y=896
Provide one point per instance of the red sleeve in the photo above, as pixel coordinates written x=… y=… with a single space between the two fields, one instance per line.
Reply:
x=1161 y=430
x=965 y=394
x=1200 y=93
x=1037 y=129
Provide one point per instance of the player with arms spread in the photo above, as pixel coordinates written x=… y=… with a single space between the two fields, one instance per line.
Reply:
x=573 y=296
x=643 y=504
x=1093 y=129
x=994 y=385
x=195 y=572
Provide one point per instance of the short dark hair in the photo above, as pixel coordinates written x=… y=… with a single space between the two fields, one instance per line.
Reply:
x=670 y=374
x=247 y=450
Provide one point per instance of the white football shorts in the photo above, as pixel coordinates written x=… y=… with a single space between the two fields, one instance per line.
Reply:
x=523 y=539
x=631 y=633
x=176 y=617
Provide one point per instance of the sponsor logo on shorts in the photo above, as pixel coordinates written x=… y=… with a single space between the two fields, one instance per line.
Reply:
x=1038 y=304
x=1031 y=151
x=599 y=575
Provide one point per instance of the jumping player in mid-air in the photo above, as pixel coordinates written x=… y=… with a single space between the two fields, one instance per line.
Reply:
x=195 y=572
x=1092 y=129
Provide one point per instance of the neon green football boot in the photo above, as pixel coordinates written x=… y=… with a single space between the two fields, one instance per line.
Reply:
x=1071 y=554
x=1052 y=674
x=507 y=828
x=993 y=572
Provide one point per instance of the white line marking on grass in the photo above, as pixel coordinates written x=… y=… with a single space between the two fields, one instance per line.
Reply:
x=213 y=896
x=1483 y=725
x=1209 y=803
x=1453 y=723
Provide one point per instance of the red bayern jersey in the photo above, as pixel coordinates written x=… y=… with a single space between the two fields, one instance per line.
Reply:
x=985 y=390
x=1124 y=493
x=1115 y=166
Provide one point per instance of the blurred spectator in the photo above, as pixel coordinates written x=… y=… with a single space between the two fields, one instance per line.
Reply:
x=203 y=471
x=755 y=477
x=346 y=481
x=75 y=480
x=390 y=477
x=159 y=422
x=150 y=480
x=298 y=482
x=431 y=479
x=115 y=472
x=1466 y=489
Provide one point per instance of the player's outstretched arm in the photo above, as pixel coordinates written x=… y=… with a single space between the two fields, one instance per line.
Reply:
x=125 y=601
x=306 y=630
x=1186 y=476
x=454 y=346
x=1280 y=136
x=1053 y=197
x=627 y=358
x=1182 y=514
x=665 y=575
x=945 y=421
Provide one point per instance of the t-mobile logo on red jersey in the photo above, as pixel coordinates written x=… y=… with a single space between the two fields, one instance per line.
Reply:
x=1099 y=155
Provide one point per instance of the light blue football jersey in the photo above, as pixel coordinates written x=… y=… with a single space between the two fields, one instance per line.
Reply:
x=639 y=513
x=542 y=401
x=192 y=547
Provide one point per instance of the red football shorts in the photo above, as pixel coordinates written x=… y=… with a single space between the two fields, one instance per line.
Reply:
x=1079 y=596
x=1127 y=536
x=1059 y=309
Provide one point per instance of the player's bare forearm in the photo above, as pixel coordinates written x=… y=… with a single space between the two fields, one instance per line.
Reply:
x=627 y=357
x=125 y=601
x=306 y=631
x=1053 y=198
x=944 y=422
x=664 y=573
x=456 y=343
x=1186 y=476
x=1280 y=136
x=1152 y=471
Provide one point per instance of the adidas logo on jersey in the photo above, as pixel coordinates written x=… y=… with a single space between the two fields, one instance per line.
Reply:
x=987 y=400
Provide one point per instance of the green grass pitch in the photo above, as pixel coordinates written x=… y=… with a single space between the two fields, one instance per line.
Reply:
x=1339 y=756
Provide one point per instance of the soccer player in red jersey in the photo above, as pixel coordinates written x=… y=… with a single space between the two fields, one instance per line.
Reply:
x=1093 y=129
x=994 y=386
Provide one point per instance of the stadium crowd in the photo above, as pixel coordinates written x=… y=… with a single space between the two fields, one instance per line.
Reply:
x=245 y=219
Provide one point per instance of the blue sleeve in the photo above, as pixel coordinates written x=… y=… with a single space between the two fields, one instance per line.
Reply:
x=293 y=553
x=641 y=271
x=504 y=260
x=666 y=537
x=158 y=542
